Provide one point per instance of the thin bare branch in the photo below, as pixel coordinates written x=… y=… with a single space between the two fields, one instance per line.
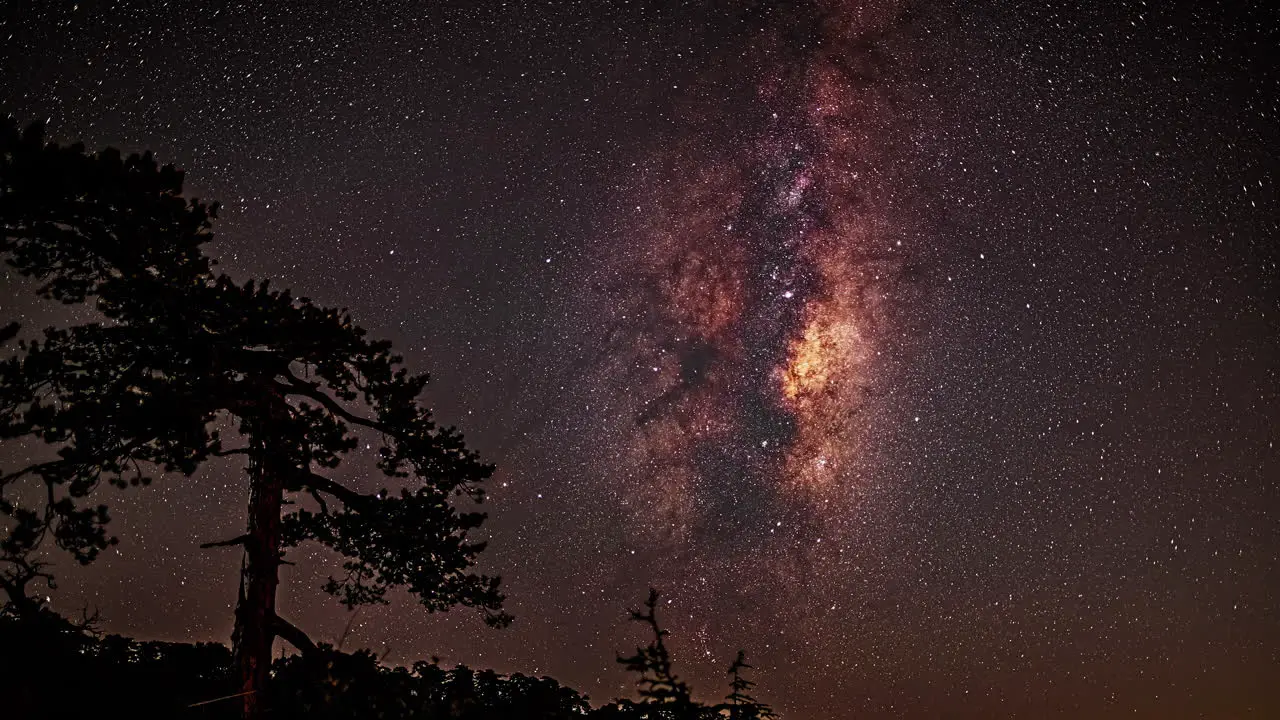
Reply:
x=224 y=697
x=238 y=540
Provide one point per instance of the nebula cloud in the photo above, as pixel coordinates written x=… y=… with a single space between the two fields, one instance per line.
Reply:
x=746 y=299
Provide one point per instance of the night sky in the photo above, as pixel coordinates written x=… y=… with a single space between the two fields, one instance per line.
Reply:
x=927 y=352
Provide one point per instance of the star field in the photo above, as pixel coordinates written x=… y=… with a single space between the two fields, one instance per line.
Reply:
x=926 y=352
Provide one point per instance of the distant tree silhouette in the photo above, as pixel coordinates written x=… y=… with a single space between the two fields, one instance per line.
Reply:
x=44 y=654
x=664 y=696
x=739 y=704
x=52 y=667
x=168 y=357
x=18 y=569
x=658 y=682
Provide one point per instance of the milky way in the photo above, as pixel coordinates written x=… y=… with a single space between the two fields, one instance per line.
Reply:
x=747 y=292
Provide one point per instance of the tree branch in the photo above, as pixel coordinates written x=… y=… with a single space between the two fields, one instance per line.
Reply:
x=238 y=540
x=324 y=506
x=319 y=483
x=291 y=634
x=298 y=386
x=33 y=468
x=14 y=582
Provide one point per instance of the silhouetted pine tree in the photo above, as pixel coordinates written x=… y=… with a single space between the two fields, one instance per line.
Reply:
x=170 y=353
x=664 y=696
x=658 y=683
x=739 y=703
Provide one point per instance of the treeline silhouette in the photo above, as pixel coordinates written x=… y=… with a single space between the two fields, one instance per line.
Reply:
x=167 y=366
x=52 y=667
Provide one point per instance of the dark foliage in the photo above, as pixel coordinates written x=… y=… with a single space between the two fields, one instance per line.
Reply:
x=337 y=686
x=126 y=678
x=52 y=667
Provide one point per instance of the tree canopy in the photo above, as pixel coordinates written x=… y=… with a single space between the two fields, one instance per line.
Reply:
x=178 y=365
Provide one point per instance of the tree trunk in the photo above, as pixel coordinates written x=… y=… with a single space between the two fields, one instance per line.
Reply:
x=256 y=609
